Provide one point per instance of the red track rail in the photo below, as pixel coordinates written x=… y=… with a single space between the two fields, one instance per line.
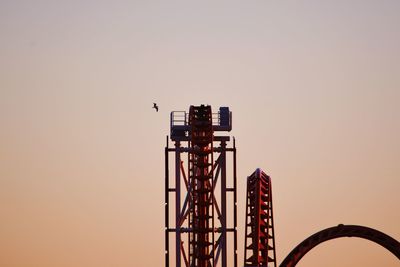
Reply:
x=341 y=231
x=201 y=253
x=194 y=217
x=260 y=238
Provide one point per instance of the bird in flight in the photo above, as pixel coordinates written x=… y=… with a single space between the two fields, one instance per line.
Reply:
x=155 y=106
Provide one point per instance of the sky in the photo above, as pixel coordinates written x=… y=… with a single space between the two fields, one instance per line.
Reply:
x=314 y=88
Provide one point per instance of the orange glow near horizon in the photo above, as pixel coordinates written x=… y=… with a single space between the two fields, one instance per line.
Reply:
x=314 y=91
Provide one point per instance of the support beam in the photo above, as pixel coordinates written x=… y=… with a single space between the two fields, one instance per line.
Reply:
x=178 y=204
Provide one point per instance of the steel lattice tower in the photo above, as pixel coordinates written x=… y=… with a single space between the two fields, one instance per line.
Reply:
x=201 y=217
x=259 y=236
x=201 y=209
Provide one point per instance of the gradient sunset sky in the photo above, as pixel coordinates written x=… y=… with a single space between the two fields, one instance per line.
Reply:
x=314 y=87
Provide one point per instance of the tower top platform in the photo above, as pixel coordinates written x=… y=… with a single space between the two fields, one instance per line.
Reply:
x=180 y=127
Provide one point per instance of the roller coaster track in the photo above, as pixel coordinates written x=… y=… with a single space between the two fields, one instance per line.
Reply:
x=206 y=234
x=341 y=231
x=259 y=236
x=201 y=207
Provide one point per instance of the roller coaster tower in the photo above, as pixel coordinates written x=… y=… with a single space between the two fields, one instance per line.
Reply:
x=200 y=191
x=202 y=197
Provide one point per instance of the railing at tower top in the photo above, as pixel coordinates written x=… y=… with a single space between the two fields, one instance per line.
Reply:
x=181 y=118
x=179 y=123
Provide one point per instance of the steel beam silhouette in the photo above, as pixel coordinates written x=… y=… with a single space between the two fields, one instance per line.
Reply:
x=341 y=231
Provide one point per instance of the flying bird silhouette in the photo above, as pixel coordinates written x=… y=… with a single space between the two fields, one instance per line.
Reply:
x=155 y=106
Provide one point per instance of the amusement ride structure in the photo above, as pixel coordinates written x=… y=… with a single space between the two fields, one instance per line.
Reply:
x=202 y=198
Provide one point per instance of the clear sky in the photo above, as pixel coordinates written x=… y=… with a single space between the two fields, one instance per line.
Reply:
x=314 y=87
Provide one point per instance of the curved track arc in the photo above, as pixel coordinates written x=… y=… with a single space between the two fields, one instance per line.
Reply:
x=337 y=232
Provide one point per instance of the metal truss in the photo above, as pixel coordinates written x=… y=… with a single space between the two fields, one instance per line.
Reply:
x=199 y=192
x=341 y=231
x=259 y=236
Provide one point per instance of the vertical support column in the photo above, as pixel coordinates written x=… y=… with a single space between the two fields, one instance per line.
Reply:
x=223 y=204
x=190 y=203
x=166 y=206
x=246 y=228
x=257 y=219
x=259 y=222
x=234 y=204
x=178 y=203
x=272 y=221
x=200 y=121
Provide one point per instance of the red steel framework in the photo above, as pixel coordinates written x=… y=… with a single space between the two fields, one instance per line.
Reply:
x=259 y=236
x=201 y=220
x=201 y=212
x=201 y=205
x=337 y=232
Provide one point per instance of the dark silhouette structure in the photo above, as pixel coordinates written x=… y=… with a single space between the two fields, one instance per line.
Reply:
x=204 y=201
x=259 y=236
x=204 y=217
x=341 y=231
